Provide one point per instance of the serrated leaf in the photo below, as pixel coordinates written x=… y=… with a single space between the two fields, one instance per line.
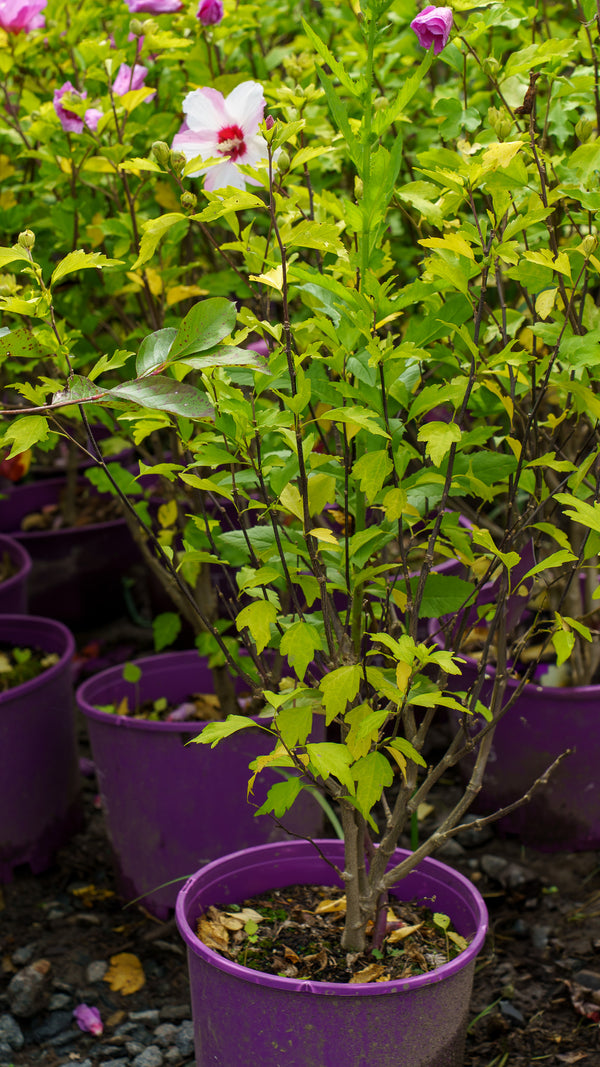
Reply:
x=166 y=627
x=339 y=687
x=299 y=643
x=372 y=469
x=439 y=438
x=372 y=774
x=280 y=797
x=327 y=758
x=80 y=260
x=154 y=231
x=25 y=432
x=214 y=732
x=258 y=618
x=14 y=255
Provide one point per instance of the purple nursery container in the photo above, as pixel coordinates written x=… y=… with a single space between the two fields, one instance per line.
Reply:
x=77 y=572
x=39 y=783
x=544 y=722
x=245 y=1016
x=171 y=807
x=13 y=590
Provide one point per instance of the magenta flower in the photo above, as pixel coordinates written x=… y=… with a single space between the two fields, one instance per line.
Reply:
x=88 y=1019
x=69 y=120
x=432 y=27
x=92 y=118
x=154 y=7
x=22 y=16
x=210 y=12
x=226 y=127
x=128 y=79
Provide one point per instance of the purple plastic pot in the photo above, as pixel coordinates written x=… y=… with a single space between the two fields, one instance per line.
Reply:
x=244 y=1016
x=544 y=722
x=77 y=573
x=39 y=784
x=171 y=807
x=13 y=590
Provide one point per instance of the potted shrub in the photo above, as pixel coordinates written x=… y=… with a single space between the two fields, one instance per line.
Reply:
x=425 y=301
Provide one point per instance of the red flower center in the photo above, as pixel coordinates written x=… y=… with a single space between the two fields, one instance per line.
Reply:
x=231 y=142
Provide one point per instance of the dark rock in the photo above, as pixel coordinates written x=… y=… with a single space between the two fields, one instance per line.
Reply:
x=11 y=1034
x=150 y=1057
x=178 y=1012
x=149 y=1017
x=185 y=1038
x=28 y=989
x=52 y=1025
x=24 y=955
x=471 y=838
x=165 y=1034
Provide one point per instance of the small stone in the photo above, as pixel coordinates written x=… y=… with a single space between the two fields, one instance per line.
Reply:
x=52 y=1025
x=95 y=971
x=134 y=1047
x=10 y=1032
x=179 y=1012
x=28 y=988
x=452 y=850
x=185 y=1038
x=173 y=1055
x=165 y=1034
x=150 y=1017
x=24 y=955
x=59 y=1000
x=55 y=913
x=114 y=1063
x=473 y=838
x=150 y=1057
x=539 y=937
x=76 y=1063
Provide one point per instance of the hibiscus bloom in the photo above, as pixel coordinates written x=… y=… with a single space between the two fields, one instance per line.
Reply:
x=88 y=1018
x=432 y=27
x=227 y=127
x=128 y=79
x=154 y=7
x=210 y=12
x=69 y=120
x=22 y=16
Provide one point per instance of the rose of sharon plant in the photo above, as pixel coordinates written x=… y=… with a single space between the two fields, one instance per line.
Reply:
x=427 y=301
x=210 y=12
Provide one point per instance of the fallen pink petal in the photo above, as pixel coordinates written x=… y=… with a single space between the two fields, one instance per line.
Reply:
x=88 y=1019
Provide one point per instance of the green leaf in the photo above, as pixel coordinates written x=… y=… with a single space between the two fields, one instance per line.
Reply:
x=226 y=356
x=214 y=732
x=166 y=627
x=327 y=758
x=372 y=774
x=165 y=394
x=204 y=326
x=154 y=231
x=339 y=687
x=408 y=750
x=439 y=438
x=25 y=432
x=258 y=618
x=372 y=470
x=14 y=255
x=280 y=797
x=81 y=260
x=299 y=643
x=132 y=673
x=358 y=416
x=154 y=351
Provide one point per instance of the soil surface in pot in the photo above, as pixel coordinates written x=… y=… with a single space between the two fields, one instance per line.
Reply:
x=18 y=665
x=86 y=509
x=535 y=992
x=295 y=933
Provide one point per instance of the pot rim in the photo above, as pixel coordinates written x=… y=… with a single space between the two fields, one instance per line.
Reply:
x=12 y=626
x=23 y=536
x=19 y=556
x=187 y=897
x=159 y=660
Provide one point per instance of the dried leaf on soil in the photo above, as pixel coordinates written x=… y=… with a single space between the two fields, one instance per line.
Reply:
x=371 y=973
x=125 y=974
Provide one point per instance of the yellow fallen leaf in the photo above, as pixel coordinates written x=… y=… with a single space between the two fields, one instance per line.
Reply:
x=212 y=934
x=331 y=906
x=402 y=932
x=368 y=974
x=236 y=920
x=125 y=974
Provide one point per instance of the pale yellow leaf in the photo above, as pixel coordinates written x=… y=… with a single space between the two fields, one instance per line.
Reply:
x=402 y=932
x=544 y=304
x=125 y=974
x=273 y=277
x=328 y=907
x=372 y=973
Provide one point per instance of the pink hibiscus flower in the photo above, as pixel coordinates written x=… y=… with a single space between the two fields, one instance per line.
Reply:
x=22 y=16
x=432 y=27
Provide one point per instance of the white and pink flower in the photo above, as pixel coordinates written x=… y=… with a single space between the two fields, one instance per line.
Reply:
x=22 y=16
x=223 y=127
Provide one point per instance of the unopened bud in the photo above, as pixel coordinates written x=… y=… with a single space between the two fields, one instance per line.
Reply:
x=177 y=161
x=161 y=153
x=283 y=161
x=491 y=66
x=500 y=121
x=135 y=27
x=583 y=130
x=269 y=122
x=188 y=200
x=149 y=26
x=379 y=102
x=589 y=244
x=358 y=188
x=26 y=239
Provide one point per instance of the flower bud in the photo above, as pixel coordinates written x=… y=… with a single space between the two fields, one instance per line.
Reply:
x=135 y=27
x=283 y=161
x=500 y=121
x=177 y=161
x=149 y=26
x=358 y=188
x=188 y=200
x=491 y=66
x=589 y=244
x=379 y=102
x=26 y=239
x=583 y=130
x=161 y=153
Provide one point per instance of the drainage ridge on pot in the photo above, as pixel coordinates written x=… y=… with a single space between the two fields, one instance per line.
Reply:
x=241 y=1015
x=171 y=807
x=39 y=787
